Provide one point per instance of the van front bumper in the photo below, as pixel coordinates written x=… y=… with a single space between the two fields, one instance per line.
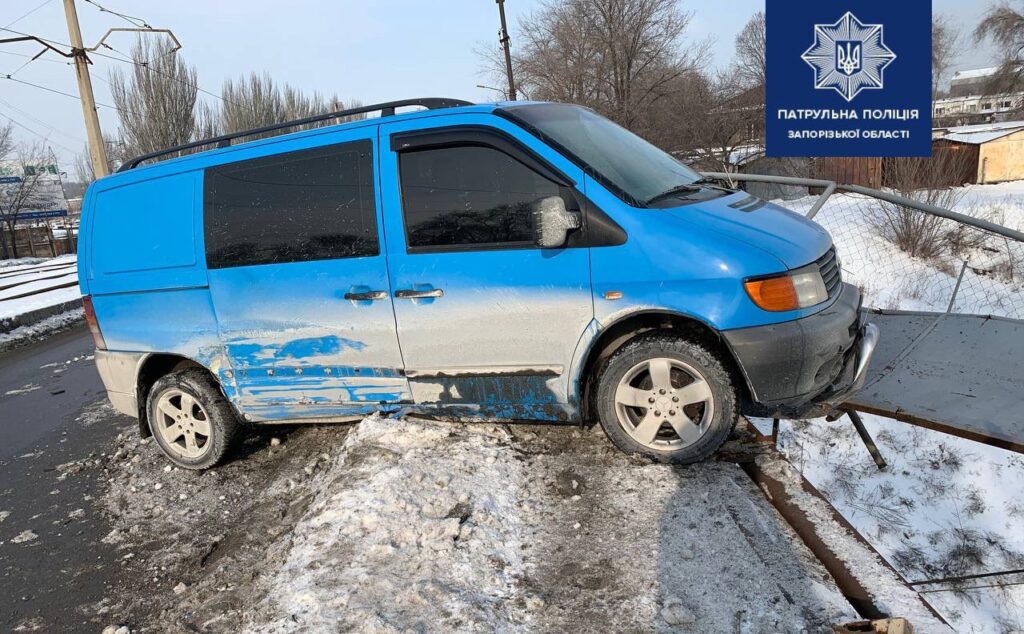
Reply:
x=806 y=366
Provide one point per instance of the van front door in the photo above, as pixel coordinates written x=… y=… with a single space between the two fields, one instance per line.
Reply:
x=488 y=322
x=299 y=283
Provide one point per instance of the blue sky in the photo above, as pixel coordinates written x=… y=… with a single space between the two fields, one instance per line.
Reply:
x=373 y=51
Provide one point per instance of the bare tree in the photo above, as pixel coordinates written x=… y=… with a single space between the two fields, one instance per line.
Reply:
x=935 y=181
x=1003 y=23
x=750 y=52
x=6 y=140
x=25 y=193
x=84 y=171
x=256 y=101
x=946 y=38
x=620 y=57
x=156 y=103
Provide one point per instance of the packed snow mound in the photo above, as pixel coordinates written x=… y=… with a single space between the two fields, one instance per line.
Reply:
x=413 y=527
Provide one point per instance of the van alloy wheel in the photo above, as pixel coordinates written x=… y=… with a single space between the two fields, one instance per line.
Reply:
x=664 y=404
x=191 y=419
x=183 y=424
x=666 y=397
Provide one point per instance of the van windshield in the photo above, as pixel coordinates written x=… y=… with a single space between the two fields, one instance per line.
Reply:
x=634 y=169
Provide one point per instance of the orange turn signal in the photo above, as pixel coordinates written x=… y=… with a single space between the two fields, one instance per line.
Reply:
x=774 y=293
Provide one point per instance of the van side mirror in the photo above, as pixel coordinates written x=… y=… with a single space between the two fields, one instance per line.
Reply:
x=553 y=222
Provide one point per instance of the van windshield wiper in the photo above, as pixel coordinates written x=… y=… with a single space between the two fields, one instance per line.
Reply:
x=695 y=186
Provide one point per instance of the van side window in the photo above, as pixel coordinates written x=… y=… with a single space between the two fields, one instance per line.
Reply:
x=469 y=195
x=315 y=204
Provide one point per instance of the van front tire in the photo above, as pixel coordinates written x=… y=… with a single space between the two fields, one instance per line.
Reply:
x=666 y=398
x=190 y=419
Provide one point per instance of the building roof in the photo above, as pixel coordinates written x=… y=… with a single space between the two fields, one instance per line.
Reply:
x=976 y=73
x=978 y=134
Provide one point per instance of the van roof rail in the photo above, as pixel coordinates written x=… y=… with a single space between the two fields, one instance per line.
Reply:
x=386 y=109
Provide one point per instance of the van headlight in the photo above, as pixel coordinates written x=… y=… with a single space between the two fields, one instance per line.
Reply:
x=801 y=288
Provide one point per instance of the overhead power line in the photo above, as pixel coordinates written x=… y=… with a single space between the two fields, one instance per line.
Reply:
x=33 y=132
x=25 y=15
x=134 y=21
x=45 y=39
x=128 y=60
x=61 y=92
x=38 y=121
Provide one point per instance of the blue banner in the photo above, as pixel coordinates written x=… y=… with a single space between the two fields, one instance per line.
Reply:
x=848 y=78
x=38 y=215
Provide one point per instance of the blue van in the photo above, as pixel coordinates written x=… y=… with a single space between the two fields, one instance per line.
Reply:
x=510 y=261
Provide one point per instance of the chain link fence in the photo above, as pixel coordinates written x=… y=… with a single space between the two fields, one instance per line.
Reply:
x=910 y=254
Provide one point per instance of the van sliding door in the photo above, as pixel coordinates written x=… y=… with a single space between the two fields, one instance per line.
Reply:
x=299 y=281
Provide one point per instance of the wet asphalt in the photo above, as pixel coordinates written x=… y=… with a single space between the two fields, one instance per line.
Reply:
x=48 y=580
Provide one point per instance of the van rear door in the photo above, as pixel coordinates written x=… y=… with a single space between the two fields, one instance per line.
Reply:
x=299 y=280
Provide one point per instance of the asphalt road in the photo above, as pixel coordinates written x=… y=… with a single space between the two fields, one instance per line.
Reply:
x=44 y=386
x=52 y=560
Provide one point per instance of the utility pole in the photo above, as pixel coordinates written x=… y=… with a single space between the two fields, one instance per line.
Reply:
x=97 y=149
x=504 y=39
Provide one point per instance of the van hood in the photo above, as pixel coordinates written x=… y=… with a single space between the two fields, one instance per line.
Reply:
x=788 y=236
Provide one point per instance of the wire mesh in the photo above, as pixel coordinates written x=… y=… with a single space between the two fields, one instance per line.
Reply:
x=904 y=258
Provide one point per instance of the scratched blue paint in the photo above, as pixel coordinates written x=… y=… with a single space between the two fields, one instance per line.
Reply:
x=284 y=342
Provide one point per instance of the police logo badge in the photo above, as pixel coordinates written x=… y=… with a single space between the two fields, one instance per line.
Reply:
x=848 y=56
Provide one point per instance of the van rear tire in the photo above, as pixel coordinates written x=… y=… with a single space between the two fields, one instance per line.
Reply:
x=190 y=419
x=666 y=398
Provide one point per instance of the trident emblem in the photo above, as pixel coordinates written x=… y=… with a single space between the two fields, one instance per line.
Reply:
x=848 y=57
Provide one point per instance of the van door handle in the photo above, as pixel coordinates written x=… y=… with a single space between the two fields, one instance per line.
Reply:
x=411 y=294
x=368 y=296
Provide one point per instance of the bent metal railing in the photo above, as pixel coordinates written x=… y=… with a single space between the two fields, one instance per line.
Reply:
x=915 y=252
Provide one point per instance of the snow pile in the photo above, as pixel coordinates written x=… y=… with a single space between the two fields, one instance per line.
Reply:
x=414 y=527
x=41 y=328
x=944 y=507
x=28 y=310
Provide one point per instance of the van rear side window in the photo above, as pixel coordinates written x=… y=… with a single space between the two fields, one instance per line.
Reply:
x=315 y=204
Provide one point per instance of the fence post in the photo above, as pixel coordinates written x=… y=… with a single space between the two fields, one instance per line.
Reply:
x=822 y=199
x=956 y=289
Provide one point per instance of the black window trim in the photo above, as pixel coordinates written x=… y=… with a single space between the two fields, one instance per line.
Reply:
x=598 y=229
x=478 y=136
x=370 y=144
x=482 y=136
x=617 y=191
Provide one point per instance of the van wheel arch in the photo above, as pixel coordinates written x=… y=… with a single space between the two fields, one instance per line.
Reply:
x=152 y=369
x=628 y=328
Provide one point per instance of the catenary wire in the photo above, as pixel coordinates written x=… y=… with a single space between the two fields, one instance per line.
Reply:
x=30 y=12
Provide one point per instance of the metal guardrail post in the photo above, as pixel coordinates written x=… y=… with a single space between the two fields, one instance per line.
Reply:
x=822 y=199
x=956 y=289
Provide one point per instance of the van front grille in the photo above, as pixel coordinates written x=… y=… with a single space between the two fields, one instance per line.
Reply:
x=828 y=265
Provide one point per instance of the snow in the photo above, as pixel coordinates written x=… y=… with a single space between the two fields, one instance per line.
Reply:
x=26 y=275
x=403 y=533
x=975 y=73
x=981 y=133
x=421 y=525
x=945 y=506
x=894 y=597
x=993 y=282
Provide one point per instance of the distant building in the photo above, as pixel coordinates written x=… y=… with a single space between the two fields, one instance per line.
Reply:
x=995 y=150
x=966 y=83
x=971 y=101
